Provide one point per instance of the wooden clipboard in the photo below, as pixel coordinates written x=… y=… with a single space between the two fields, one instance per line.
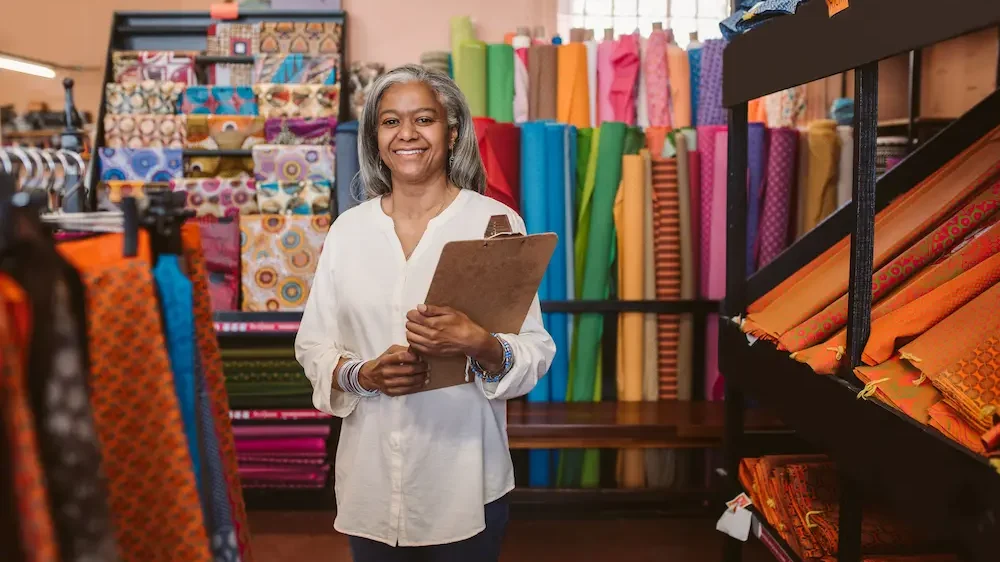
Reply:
x=493 y=281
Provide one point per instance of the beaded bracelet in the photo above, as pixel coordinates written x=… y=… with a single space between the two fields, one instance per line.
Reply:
x=508 y=362
x=347 y=378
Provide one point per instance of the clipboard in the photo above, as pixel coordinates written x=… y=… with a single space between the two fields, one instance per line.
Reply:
x=493 y=281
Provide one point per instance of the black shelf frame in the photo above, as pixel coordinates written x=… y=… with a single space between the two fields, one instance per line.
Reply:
x=188 y=31
x=879 y=452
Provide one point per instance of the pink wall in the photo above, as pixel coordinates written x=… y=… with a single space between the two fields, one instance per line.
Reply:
x=394 y=32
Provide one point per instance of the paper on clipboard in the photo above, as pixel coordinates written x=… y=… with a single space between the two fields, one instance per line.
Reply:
x=493 y=281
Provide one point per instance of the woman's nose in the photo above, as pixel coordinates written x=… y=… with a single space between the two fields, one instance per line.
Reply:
x=407 y=131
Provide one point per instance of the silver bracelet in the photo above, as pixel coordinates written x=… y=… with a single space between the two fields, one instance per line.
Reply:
x=347 y=378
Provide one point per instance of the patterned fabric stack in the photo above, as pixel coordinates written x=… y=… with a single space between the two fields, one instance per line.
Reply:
x=798 y=496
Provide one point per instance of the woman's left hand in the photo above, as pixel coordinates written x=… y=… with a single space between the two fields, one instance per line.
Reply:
x=443 y=331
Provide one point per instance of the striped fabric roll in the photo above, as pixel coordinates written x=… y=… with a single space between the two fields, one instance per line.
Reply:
x=667 y=259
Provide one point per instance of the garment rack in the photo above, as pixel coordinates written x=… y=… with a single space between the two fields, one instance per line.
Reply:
x=877 y=450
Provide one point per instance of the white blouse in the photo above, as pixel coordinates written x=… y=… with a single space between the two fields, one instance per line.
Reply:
x=413 y=470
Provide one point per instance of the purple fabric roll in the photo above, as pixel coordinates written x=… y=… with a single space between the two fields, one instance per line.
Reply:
x=710 y=110
x=776 y=205
x=251 y=431
x=298 y=130
x=291 y=446
x=756 y=174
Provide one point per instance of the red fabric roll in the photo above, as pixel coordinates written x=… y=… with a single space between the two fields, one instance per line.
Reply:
x=500 y=149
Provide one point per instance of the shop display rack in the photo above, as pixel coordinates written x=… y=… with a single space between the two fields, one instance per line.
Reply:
x=879 y=452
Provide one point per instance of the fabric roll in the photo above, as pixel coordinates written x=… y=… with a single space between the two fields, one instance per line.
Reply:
x=667 y=241
x=592 y=81
x=688 y=286
x=899 y=225
x=845 y=170
x=680 y=86
x=895 y=387
x=471 y=76
x=710 y=110
x=284 y=445
x=462 y=31
x=694 y=65
x=821 y=189
x=694 y=233
x=896 y=271
x=786 y=108
x=802 y=183
x=776 y=204
x=716 y=219
x=347 y=166
x=559 y=139
x=625 y=61
x=500 y=83
x=543 y=73
x=641 y=98
x=757 y=138
x=650 y=380
x=656 y=140
x=500 y=150
x=706 y=152
x=597 y=258
x=656 y=80
x=584 y=209
x=522 y=91
x=977 y=248
x=573 y=94
x=605 y=80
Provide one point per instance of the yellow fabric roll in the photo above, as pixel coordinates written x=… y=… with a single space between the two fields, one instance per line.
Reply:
x=471 y=76
x=679 y=71
x=650 y=375
x=461 y=31
x=572 y=90
x=821 y=185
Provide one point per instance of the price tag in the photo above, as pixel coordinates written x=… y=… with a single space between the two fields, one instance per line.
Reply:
x=736 y=524
x=837 y=6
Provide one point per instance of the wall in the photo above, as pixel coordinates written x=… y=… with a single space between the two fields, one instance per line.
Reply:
x=391 y=31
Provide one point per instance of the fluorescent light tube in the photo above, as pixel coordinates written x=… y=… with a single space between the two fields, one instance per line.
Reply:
x=24 y=67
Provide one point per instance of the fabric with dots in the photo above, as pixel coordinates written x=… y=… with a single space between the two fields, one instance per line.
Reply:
x=279 y=259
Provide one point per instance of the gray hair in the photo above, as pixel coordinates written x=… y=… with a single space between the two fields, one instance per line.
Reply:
x=465 y=168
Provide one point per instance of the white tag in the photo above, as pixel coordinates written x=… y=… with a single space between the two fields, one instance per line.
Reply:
x=736 y=524
x=751 y=339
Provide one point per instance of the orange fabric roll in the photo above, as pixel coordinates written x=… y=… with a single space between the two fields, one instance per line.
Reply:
x=656 y=137
x=667 y=249
x=897 y=227
x=572 y=92
x=679 y=70
x=629 y=211
x=894 y=385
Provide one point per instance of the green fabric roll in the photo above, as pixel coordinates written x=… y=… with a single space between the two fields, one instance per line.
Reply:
x=500 y=83
x=461 y=31
x=635 y=140
x=235 y=366
x=583 y=217
x=267 y=377
x=584 y=142
x=471 y=76
x=268 y=389
x=269 y=402
x=259 y=353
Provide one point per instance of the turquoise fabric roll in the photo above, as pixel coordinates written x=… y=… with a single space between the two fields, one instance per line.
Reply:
x=560 y=144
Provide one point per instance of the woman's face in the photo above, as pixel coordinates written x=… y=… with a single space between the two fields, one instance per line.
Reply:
x=413 y=135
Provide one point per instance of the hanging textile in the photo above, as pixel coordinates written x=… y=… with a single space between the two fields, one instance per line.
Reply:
x=147 y=461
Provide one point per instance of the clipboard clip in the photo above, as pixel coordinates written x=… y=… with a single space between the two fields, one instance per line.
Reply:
x=499 y=227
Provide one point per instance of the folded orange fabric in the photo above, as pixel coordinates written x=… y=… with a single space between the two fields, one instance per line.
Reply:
x=897 y=227
x=921 y=315
x=945 y=419
x=895 y=272
x=953 y=337
x=825 y=358
x=991 y=439
x=894 y=384
x=970 y=385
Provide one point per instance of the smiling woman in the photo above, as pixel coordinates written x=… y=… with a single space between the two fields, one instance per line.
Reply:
x=420 y=474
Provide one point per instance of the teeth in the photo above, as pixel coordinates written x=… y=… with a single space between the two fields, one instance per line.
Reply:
x=408 y=152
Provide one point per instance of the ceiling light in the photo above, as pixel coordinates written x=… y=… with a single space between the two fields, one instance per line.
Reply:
x=25 y=67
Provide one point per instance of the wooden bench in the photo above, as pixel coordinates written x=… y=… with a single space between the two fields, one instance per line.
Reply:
x=609 y=425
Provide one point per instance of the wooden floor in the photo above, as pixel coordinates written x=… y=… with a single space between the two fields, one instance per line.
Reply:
x=309 y=537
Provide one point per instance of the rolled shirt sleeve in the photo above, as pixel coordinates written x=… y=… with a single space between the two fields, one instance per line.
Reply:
x=319 y=342
x=533 y=350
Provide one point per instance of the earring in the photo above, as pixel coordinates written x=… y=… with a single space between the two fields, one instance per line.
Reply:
x=451 y=161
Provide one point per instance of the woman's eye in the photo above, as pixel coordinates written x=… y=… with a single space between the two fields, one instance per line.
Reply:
x=390 y=122
x=424 y=120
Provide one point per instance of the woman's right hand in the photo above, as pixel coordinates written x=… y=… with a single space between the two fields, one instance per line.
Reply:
x=396 y=372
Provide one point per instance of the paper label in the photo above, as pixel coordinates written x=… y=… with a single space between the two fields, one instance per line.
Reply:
x=736 y=524
x=739 y=502
x=837 y=6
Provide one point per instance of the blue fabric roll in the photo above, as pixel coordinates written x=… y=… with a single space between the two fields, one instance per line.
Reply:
x=694 y=61
x=349 y=191
x=756 y=170
x=560 y=171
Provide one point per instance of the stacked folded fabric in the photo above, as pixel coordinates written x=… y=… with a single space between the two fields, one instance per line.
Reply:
x=798 y=495
x=282 y=455
x=265 y=378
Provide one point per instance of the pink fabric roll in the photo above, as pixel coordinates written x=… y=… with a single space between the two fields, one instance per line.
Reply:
x=713 y=377
x=284 y=473
x=605 y=78
x=694 y=179
x=776 y=206
x=717 y=226
x=706 y=150
x=623 y=87
x=245 y=431
x=656 y=75
x=302 y=446
x=521 y=85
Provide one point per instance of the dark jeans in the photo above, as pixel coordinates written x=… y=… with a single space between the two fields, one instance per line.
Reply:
x=484 y=547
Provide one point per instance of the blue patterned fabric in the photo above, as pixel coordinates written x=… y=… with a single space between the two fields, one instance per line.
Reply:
x=751 y=13
x=177 y=299
x=694 y=61
x=141 y=164
x=219 y=100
